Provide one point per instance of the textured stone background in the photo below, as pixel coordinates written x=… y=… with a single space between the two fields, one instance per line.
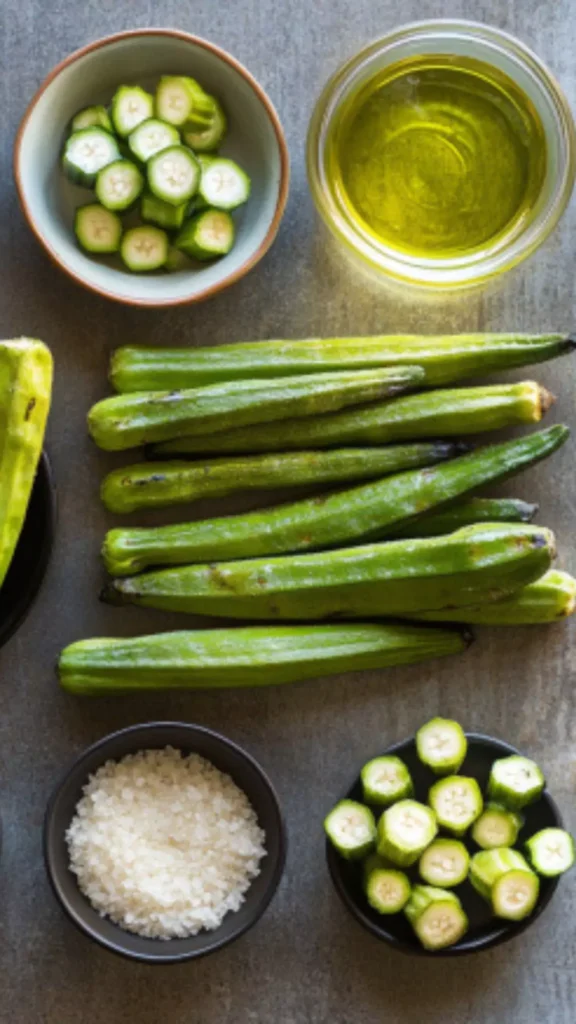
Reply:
x=306 y=962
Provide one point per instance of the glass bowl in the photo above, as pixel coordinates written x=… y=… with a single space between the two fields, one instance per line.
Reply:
x=447 y=38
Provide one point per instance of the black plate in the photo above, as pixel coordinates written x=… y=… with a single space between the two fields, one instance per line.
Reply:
x=32 y=554
x=226 y=756
x=485 y=931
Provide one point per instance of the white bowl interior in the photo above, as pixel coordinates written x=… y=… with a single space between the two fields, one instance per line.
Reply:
x=51 y=199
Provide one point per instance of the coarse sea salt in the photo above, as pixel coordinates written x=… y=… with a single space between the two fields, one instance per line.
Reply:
x=164 y=843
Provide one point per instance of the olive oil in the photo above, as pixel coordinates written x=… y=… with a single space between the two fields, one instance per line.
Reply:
x=438 y=157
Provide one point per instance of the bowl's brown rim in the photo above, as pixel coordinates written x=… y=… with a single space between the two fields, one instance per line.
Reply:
x=274 y=119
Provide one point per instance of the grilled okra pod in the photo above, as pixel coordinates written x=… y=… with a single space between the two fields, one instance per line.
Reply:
x=442 y=745
x=126 y=421
x=251 y=656
x=404 y=832
x=454 y=412
x=362 y=513
x=475 y=564
x=157 y=484
x=385 y=780
x=445 y=359
x=548 y=599
x=351 y=829
x=503 y=877
x=466 y=513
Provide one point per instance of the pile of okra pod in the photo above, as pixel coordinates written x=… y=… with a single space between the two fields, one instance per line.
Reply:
x=402 y=538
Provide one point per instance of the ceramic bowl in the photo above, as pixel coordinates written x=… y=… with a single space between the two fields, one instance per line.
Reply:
x=31 y=556
x=226 y=756
x=485 y=931
x=90 y=75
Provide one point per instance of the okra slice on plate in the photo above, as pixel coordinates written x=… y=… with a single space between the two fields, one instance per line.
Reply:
x=177 y=261
x=223 y=184
x=551 y=852
x=404 y=832
x=351 y=829
x=86 y=152
x=119 y=184
x=457 y=802
x=503 y=877
x=92 y=117
x=207 y=235
x=151 y=137
x=181 y=101
x=174 y=174
x=444 y=863
x=130 y=106
x=515 y=782
x=436 y=916
x=206 y=140
x=165 y=215
x=98 y=230
x=144 y=248
x=387 y=889
x=496 y=826
x=386 y=780
x=441 y=744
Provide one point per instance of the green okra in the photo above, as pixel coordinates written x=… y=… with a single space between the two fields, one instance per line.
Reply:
x=503 y=878
x=444 y=358
x=496 y=827
x=551 y=852
x=404 y=831
x=351 y=829
x=549 y=599
x=25 y=391
x=157 y=484
x=385 y=780
x=360 y=514
x=436 y=916
x=478 y=563
x=251 y=656
x=127 y=421
x=387 y=889
x=466 y=513
x=449 y=413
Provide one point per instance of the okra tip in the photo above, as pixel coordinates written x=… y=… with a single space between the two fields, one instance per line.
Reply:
x=546 y=400
x=111 y=593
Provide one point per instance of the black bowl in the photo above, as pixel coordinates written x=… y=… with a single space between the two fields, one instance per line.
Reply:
x=485 y=931
x=226 y=756
x=32 y=554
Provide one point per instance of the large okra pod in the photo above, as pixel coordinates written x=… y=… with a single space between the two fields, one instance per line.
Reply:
x=473 y=565
x=549 y=599
x=444 y=358
x=156 y=484
x=126 y=421
x=453 y=412
x=253 y=656
x=25 y=390
x=362 y=513
x=466 y=513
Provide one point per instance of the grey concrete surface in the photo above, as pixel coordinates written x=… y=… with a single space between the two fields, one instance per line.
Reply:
x=306 y=962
